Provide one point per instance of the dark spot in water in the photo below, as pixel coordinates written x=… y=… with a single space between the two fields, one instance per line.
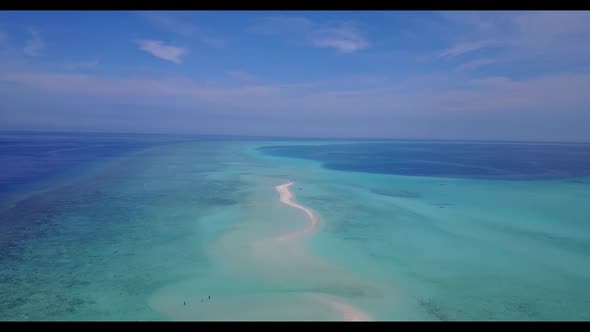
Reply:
x=76 y=302
x=341 y=290
x=398 y=193
x=442 y=205
x=433 y=309
x=577 y=181
x=489 y=160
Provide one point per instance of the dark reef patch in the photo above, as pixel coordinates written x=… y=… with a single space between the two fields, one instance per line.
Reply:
x=481 y=160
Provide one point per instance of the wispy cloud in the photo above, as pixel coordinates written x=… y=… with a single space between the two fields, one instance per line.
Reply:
x=555 y=93
x=540 y=50
x=170 y=21
x=159 y=49
x=282 y=25
x=330 y=107
x=75 y=65
x=474 y=64
x=464 y=48
x=561 y=36
x=34 y=45
x=343 y=37
x=86 y=84
x=555 y=36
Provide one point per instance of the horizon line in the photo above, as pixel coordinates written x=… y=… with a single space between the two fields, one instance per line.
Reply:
x=291 y=137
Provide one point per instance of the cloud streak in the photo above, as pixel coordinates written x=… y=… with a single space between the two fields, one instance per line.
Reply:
x=474 y=64
x=554 y=92
x=549 y=36
x=343 y=37
x=35 y=44
x=170 y=21
x=406 y=108
x=464 y=48
x=537 y=53
x=90 y=85
x=160 y=50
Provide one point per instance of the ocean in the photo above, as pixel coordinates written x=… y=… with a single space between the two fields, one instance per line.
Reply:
x=158 y=227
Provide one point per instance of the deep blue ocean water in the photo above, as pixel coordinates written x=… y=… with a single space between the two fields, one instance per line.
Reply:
x=30 y=157
x=483 y=160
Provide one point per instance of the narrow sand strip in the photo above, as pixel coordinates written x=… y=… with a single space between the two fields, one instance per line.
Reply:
x=348 y=312
x=286 y=197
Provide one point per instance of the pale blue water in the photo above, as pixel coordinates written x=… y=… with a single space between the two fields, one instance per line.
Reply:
x=146 y=227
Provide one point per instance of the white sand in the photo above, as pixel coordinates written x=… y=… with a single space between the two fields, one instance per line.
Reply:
x=348 y=312
x=286 y=197
x=282 y=260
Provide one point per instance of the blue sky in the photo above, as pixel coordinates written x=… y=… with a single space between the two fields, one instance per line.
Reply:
x=449 y=75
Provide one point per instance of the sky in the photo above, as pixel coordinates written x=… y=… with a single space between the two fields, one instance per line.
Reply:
x=388 y=74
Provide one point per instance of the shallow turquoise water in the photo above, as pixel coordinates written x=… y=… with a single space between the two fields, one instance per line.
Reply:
x=152 y=234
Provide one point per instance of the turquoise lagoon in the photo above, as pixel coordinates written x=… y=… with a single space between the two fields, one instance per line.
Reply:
x=149 y=227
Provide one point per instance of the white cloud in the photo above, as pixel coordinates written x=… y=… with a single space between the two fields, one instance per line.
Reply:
x=474 y=64
x=562 y=36
x=172 y=21
x=343 y=37
x=282 y=25
x=556 y=93
x=551 y=25
x=539 y=36
x=464 y=48
x=561 y=97
x=35 y=44
x=158 y=49
x=166 y=21
x=84 y=84
x=553 y=93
